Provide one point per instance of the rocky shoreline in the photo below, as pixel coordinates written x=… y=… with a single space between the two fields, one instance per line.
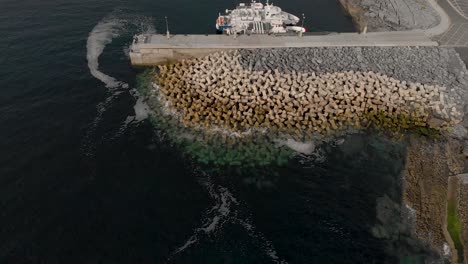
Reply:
x=309 y=95
x=463 y=209
x=243 y=90
x=429 y=165
x=392 y=15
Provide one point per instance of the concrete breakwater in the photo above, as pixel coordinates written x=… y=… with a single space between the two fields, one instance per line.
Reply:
x=149 y=50
x=220 y=90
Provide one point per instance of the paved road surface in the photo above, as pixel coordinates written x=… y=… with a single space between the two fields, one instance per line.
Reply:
x=265 y=41
x=457 y=34
x=461 y=6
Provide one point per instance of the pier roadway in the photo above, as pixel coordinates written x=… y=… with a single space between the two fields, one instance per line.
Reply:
x=158 y=49
x=461 y=6
x=451 y=32
x=270 y=41
x=457 y=34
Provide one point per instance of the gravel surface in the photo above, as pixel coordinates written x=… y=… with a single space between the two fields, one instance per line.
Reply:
x=428 y=65
x=463 y=54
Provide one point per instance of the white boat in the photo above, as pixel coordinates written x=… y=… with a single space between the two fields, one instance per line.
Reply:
x=257 y=18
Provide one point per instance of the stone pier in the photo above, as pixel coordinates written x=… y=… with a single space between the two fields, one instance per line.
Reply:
x=150 y=50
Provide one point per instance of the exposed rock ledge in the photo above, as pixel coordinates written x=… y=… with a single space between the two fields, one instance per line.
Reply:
x=428 y=167
x=397 y=15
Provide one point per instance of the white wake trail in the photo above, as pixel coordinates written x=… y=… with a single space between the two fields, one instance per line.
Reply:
x=267 y=245
x=102 y=35
x=99 y=37
x=224 y=211
x=216 y=216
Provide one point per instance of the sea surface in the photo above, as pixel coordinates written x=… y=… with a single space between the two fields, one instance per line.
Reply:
x=85 y=178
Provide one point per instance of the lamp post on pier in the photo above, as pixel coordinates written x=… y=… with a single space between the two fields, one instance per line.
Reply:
x=168 y=35
x=302 y=28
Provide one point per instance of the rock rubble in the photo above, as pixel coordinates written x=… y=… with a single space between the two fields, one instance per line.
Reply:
x=434 y=65
x=240 y=90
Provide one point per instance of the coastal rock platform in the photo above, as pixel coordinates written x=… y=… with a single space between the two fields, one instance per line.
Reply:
x=398 y=15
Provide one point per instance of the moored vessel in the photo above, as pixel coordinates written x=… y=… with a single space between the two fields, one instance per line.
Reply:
x=257 y=18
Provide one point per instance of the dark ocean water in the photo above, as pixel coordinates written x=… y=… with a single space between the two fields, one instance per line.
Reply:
x=78 y=184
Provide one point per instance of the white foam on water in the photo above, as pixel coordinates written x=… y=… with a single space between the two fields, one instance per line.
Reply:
x=99 y=37
x=267 y=245
x=126 y=52
x=192 y=240
x=311 y=160
x=411 y=212
x=142 y=110
x=215 y=217
x=224 y=211
x=129 y=120
x=306 y=148
x=88 y=145
x=446 y=249
x=339 y=142
x=102 y=35
x=221 y=209
x=307 y=152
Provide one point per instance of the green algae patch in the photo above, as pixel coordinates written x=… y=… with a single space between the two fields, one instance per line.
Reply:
x=222 y=150
x=400 y=123
x=454 y=228
x=210 y=130
x=211 y=147
x=143 y=82
x=412 y=260
x=245 y=153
